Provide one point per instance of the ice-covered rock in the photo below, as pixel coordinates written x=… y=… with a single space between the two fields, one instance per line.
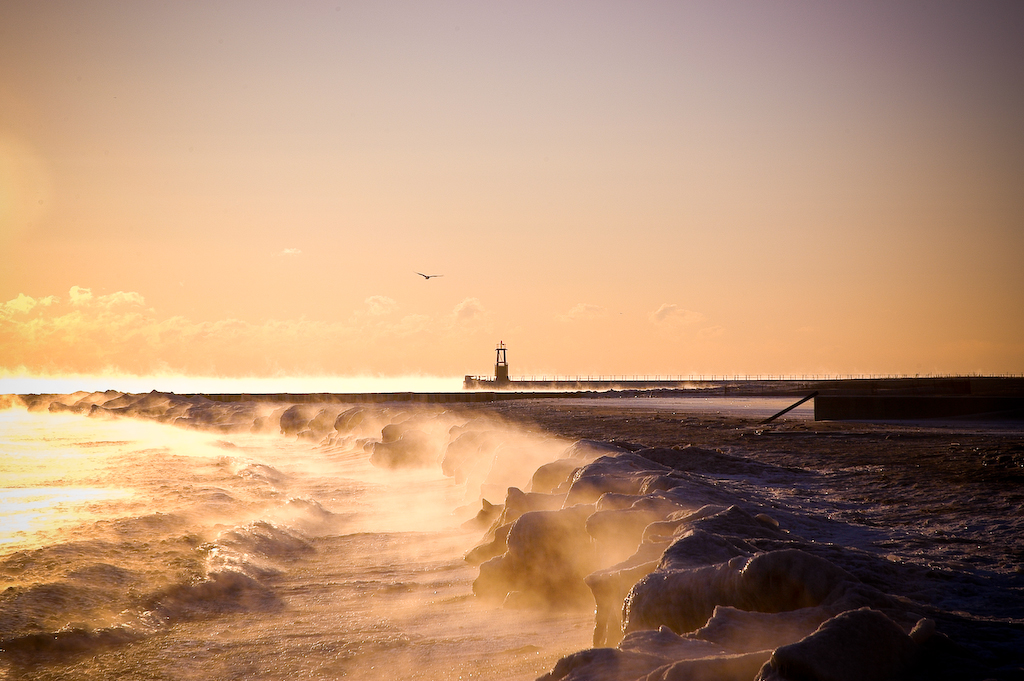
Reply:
x=296 y=418
x=404 y=448
x=748 y=631
x=604 y=664
x=777 y=581
x=548 y=555
x=552 y=476
x=857 y=645
x=349 y=419
x=469 y=451
x=624 y=474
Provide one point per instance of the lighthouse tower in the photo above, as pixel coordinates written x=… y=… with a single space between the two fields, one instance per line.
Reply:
x=500 y=364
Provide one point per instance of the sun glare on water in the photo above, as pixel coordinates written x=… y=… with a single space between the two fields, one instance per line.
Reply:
x=40 y=509
x=59 y=471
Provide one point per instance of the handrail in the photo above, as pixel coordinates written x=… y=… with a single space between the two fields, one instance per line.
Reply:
x=719 y=378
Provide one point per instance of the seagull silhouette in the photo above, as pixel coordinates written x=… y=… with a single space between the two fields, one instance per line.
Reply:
x=429 y=276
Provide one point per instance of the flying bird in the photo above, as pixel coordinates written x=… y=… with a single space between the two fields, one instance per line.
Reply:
x=429 y=276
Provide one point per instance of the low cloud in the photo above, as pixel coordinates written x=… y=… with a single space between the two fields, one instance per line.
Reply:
x=86 y=332
x=670 y=313
x=24 y=304
x=80 y=297
x=411 y=325
x=380 y=305
x=119 y=298
x=469 y=311
x=290 y=252
x=583 y=311
x=711 y=332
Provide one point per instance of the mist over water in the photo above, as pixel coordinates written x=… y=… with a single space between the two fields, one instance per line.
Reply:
x=34 y=384
x=131 y=548
x=161 y=536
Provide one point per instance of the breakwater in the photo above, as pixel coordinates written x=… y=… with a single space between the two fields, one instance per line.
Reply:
x=769 y=387
x=836 y=399
x=900 y=398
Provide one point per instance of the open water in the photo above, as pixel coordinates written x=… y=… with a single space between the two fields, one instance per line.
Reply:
x=139 y=550
x=149 y=538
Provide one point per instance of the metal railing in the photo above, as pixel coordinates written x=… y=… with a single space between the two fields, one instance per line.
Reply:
x=699 y=378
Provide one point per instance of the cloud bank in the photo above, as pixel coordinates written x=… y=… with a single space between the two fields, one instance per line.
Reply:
x=583 y=311
x=670 y=313
x=89 y=332
x=380 y=305
x=469 y=312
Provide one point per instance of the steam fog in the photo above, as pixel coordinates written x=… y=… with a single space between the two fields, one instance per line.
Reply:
x=28 y=383
x=156 y=533
x=309 y=539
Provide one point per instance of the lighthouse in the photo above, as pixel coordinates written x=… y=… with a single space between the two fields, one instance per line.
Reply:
x=500 y=364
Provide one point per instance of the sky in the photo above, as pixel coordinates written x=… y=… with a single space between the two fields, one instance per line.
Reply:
x=248 y=188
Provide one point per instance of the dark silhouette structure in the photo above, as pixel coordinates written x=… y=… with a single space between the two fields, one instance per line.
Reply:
x=500 y=365
x=894 y=398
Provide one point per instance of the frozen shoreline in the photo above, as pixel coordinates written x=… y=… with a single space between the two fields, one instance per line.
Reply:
x=921 y=524
x=927 y=513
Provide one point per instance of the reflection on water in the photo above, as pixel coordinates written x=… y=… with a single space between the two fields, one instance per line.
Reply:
x=328 y=541
x=135 y=549
x=59 y=471
x=42 y=509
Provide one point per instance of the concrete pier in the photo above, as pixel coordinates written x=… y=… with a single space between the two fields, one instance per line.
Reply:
x=916 y=407
x=837 y=399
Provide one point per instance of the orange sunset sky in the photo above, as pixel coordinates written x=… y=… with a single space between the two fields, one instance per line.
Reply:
x=249 y=188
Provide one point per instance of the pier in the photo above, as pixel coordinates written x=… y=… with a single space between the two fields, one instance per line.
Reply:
x=867 y=399
x=835 y=398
